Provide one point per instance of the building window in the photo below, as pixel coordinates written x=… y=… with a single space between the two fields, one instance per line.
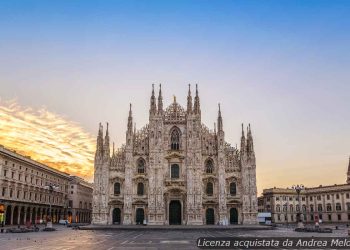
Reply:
x=329 y=207
x=233 y=188
x=290 y=198
x=80 y=204
x=209 y=166
x=277 y=198
x=11 y=193
x=303 y=198
x=210 y=188
x=304 y=208
x=338 y=207
x=18 y=193
x=117 y=188
x=3 y=191
x=339 y=216
x=5 y=172
x=329 y=217
x=71 y=192
x=297 y=207
x=337 y=196
x=140 y=188
x=278 y=208
x=278 y=217
x=328 y=196
x=19 y=177
x=319 y=207
x=347 y=196
x=13 y=175
x=175 y=139
x=320 y=216
x=141 y=166
x=175 y=171
x=291 y=208
x=284 y=209
x=311 y=208
x=319 y=197
x=310 y=198
x=312 y=217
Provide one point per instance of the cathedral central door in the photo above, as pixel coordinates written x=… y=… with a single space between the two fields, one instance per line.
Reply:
x=175 y=213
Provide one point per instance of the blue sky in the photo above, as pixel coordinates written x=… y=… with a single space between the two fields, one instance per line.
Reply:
x=283 y=66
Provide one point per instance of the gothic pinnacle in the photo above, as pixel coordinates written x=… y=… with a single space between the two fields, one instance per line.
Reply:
x=189 y=100
x=160 y=100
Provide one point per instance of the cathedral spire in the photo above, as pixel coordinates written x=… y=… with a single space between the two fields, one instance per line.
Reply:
x=153 y=107
x=196 y=107
x=130 y=121
x=250 y=143
x=243 y=147
x=160 y=100
x=99 y=144
x=220 y=125
x=189 y=100
x=106 y=145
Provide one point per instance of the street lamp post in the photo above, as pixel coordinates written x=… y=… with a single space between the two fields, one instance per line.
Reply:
x=51 y=188
x=298 y=189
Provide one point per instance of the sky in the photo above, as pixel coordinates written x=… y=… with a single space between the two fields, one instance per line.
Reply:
x=282 y=66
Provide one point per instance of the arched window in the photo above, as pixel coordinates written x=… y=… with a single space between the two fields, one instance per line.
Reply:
x=319 y=207
x=175 y=171
x=210 y=188
x=140 y=188
x=233 y=188
x=209 y=166
x=117 y=188
x=141 y=166
x=291 y=208
x=175 y=139
x=329 y=207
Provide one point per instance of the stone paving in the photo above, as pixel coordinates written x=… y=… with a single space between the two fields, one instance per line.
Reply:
x=66 y=238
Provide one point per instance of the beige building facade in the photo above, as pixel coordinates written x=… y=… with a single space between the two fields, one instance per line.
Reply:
x=23 y=193
x=175 y=171
x=331 y=204
x=25 y=196
x=79 y=200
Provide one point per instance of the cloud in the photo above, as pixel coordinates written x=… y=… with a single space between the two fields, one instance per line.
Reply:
x=48 y=138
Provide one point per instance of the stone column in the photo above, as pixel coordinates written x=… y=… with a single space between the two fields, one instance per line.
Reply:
x=31 y=215
x=18 y=215
x=12 y=211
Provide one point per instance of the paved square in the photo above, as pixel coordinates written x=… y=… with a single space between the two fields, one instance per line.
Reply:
x=66 y=238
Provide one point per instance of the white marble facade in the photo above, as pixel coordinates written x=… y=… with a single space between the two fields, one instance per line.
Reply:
x=175 y=171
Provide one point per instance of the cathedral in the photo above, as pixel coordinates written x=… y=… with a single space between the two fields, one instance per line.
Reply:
x=175 y=171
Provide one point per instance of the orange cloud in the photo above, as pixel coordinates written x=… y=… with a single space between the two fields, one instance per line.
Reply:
x=48 y=138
